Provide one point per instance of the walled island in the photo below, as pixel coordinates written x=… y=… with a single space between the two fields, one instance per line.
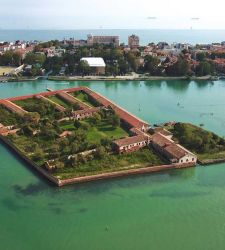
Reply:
x=77 y=135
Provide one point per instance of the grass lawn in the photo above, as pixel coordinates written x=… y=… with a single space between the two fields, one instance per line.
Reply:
x=59 y=101
x=142 y=158
x=211 y=156
x=103 y=130
x=28 y=102
x=84 y=98
x=6 y=70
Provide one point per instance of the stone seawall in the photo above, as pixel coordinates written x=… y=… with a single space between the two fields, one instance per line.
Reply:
x=124 y=173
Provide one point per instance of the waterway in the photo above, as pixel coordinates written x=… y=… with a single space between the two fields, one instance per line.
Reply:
x=180 y=209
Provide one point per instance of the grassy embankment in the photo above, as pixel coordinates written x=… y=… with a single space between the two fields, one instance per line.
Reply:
x=208 y=146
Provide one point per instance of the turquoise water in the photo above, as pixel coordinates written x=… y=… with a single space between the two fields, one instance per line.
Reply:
x=146 y=35
x=181 y=209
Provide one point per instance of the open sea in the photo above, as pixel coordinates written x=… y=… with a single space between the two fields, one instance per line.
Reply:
x=146 y=35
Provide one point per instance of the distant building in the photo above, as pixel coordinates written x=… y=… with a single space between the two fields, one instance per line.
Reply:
x=96 y=63
x=4 y=47
x=52 y=51
x=105 y=40
x=75 y=43
x=133 y=41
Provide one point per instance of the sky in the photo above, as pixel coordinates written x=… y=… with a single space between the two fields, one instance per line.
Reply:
x=111 y=14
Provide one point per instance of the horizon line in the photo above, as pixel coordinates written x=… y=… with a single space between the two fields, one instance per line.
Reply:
x=66 y=29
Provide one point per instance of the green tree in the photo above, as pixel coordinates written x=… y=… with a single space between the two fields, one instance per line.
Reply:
x=38 y=155
x=201 y=56
x=33 y=58
x=115 y=120
x=123 y=66
x=100 y=153
x=83 y=67
x=204 y=68
x=77 y=124
x=180 y=68
x=95 y=119
x=27 y=130
x=151 y=65
x=17 y=58
x=133 y=62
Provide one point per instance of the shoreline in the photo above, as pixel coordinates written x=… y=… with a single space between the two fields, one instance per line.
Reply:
x=128 y=78
x=95 y=177
x=211 y=161
x=4 y=79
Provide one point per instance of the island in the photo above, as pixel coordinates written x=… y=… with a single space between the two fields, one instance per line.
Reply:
x=77 y=135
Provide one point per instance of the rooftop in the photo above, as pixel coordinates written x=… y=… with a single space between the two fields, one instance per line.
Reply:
x=130 y=140
x=94 y=61
x=169 y=146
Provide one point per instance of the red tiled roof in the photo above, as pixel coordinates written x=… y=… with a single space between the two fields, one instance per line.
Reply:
x=130 y=140
x=161 y=140
x=163 y=131
x=3 y=130
x=175 y=151
x=169 y=146
x=13 y=107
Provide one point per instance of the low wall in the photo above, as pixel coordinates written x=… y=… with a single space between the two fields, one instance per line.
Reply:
x=46 y=94
x=124 y=173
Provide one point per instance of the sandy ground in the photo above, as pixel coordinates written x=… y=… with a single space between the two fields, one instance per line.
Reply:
x=5 y=70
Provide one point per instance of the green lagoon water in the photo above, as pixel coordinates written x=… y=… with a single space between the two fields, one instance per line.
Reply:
x=181 y=209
